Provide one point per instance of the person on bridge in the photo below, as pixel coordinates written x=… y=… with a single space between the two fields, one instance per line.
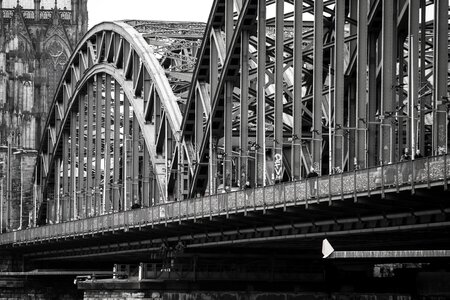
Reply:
x=406 y=166
x=312 y=177
x=136 y=204
x=419 y=165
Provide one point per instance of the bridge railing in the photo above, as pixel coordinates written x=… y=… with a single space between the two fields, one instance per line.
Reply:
x=377 y=180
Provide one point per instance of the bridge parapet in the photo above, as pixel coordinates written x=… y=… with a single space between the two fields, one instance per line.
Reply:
x=387 y=179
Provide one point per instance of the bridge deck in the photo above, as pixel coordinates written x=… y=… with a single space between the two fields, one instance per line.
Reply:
x=331 y=188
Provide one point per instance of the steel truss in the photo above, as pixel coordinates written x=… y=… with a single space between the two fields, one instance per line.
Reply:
x=283 y=86
x=115 y=122
x=278 y=87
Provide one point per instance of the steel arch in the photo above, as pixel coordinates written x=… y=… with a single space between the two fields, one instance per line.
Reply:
x=117 y=60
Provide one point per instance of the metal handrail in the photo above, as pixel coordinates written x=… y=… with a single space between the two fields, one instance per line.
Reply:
x=401 y=175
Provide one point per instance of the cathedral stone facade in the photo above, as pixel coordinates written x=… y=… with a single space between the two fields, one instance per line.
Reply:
x=37 y=38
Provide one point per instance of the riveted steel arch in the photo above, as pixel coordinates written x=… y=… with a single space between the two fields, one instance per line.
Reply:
x=114 y=125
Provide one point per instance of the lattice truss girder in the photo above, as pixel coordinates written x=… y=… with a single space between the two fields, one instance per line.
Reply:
x=282 y=86
x=114 y=126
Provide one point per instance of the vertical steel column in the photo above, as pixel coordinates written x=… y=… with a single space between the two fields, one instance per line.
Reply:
x=213 y=79
x=229 y=23
x=228 y=132
x=107 y=167
x=339 y=22
x=413 y=76
x=297 y=105
x=361 y=83
x=81 y=155
x=372 y=153
x=197 y=142
x=198 y=133
x=65 y=208
x=388 y=79
x=118 y=186
x=423 y=79
x=243 y=130
x=135 y=159
x=317 y=84
x=98 y=145
x=261 y=97
x=126 y=145
x=401 y=97
x=73 y=159
x=89 y=146
x=440 y=69
x=146 y=190
x=228 y=102
x=55 y=212
x=277 y=154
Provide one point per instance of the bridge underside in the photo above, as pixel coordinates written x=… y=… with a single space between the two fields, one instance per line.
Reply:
x=280 y=231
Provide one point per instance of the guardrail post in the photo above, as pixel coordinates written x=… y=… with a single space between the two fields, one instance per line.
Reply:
x=445 y=172
x=329 y=189
x=295 y=193
x=382 y=181
x=254 y=202
x=195 y=209
x=274 y=187
x=428 y=172
x=396 y=178
x=179 y=212
x=413 y=176
x=153 y=215
x=226 y=205
x=235 y=203
x=210 y=212
x=355 y=198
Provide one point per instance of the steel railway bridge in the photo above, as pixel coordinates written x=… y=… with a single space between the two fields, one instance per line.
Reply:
x=187 y=148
